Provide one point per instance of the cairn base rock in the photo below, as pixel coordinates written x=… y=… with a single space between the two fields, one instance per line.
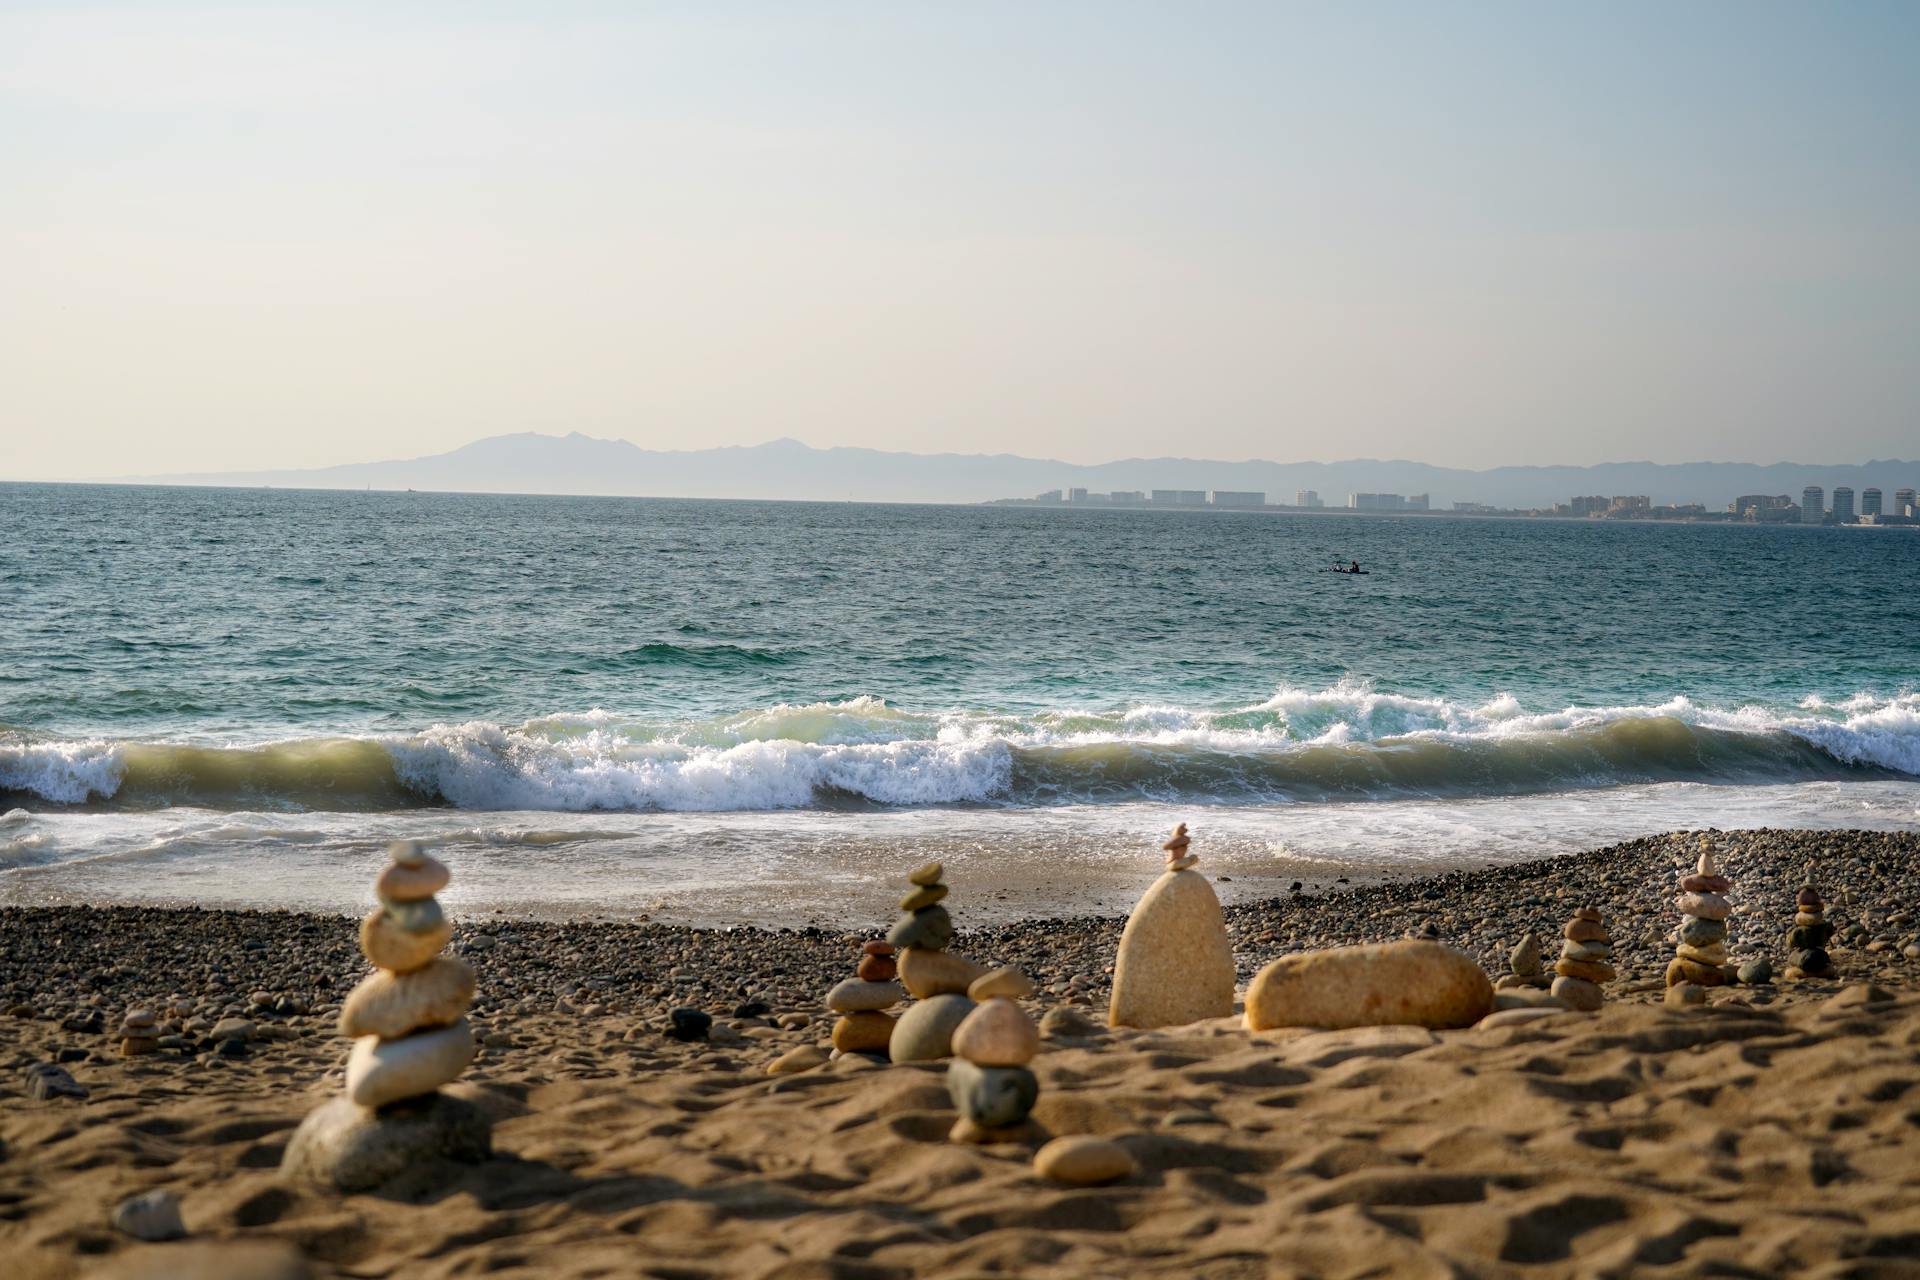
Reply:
x=1409 y=983
x=351 y=1148
x=1175 y=963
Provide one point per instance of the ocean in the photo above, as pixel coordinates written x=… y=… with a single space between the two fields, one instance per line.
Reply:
x=729 y=711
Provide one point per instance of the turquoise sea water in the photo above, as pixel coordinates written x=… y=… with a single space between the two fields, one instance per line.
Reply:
x=364 y=662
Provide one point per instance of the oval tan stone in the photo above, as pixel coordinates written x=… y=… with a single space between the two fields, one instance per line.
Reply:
x=392 y=1005
x=1175 y=964
x=415 y=882
x=389 y=946
x=865 y=1031
x=857 y=995
x=924 y=1032
x=1081 y=1160
x=382 y=1071
x=997 y=1034
x=936 y=973
x=1005 y=981
x=1408 y=983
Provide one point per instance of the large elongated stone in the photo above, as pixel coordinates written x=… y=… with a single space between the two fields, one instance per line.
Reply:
x=936 y=973
x=1412 y=983
x=383 y=1071
x=391 y=1005
x=1175 y=963
x=354 y=1149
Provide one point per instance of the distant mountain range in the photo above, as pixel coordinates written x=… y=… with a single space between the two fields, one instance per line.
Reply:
x=528 y=462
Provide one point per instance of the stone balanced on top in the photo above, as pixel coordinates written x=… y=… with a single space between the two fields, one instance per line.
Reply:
x=1586 y=961
x=1524 y=960
x=410 y=1036
x=990 y=1083
x=936 y=977
x=1175 y=963
x=139 y=1034
x=1700 y=956
x=861 y=1001
x=1807 y=940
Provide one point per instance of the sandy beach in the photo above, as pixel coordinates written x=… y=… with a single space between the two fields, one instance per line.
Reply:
x=1772 y=1132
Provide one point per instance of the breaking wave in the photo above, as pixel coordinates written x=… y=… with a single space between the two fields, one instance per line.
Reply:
x=1345 y=742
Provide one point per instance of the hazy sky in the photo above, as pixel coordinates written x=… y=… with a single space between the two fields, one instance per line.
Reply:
x=265 y=235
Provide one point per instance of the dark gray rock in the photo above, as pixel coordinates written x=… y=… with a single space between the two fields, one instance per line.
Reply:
x=45 y=1080
x=992 y=1097
x=153 y=1216
x=688 y=1024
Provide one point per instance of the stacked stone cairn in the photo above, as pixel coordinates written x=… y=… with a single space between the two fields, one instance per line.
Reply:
x=410 y=1036
x=1807 y=940
x=861 y=1001
x=989 y=1081
x=1524 y=960
x=1586 y=961
x=936 y=977
x=139 y=1034
x=1700 y=958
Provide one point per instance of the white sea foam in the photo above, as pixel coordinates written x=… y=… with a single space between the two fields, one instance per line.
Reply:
x=1345 y=741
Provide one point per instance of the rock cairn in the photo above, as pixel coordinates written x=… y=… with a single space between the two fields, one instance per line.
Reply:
x=1524 y=961
x=1700 y=958
x=936 y=977
x=990 y=1083
x=139 y=1034
x=864 y=1026
x=410 y=1036
x=1175 y=962
x=1586 y=961
x=1807 y=940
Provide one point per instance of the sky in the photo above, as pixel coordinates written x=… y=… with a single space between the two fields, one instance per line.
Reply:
x=265 y=235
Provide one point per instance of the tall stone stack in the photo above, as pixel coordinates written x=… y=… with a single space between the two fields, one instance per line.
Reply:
x=990 y=1083
x=1175 y=962
x=410 y=1036
x=139 y=1034
x=936 y=977
x=1586 y=961
x=864 y=1026
x=1700 y=956
x=1807 y=940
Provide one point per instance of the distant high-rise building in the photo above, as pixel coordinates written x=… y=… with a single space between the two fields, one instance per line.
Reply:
x=1813 y=505
x=1869 y=502
x=1903 y=503
x=1591 y=505
x=1076 y=495
x=1747 y=505
x=1842 y=504
x=1238 y=498
x=1178 y=497
x=1308 y=498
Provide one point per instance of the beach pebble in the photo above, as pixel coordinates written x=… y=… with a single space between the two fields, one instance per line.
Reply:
x=688 y=1025
x=1410 y=983
x=929 y=930
x=1006 y=981
x=153 y=1216
x=927 y=873
x=1581 y=929
x=856 y=995
x=923 y=897
x=1591 y=971
x=1755 y=973
x=992 y=1097
x=411 y=882
x=383 y=1071
x=1067 y=1021
x=936 y=973
x=997 y=1034
x=1578 y=993
x=1175 y=962
x=45 y=1080
x=877 y=968
x=351 y=1148
x=1686 y=994
x=924 y=1033
x=1186 y=862
x=1519 y=1017
x=866 y=1031
x=1082 y=1160
x=232 y=1029
x=394 y=1004
x=387 y=945
x=1707 y=906
x=795 y=1060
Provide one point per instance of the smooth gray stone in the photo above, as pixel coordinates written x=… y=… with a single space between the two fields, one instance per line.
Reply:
x=353 y=1149
x=992 y=1097
x=929 y=927
x=153 y=1216
x=924 y=1032
x=1699 y=933
x=1756 y=973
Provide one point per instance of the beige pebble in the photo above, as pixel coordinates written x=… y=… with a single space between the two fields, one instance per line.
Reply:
x=392 y=1005
x=412 y=882
x=1081 y=1160
x=1005 y=981
x=389 y=946
x=927 y=873
x=382 y=1071
x=997 y=1034
x=936 y=973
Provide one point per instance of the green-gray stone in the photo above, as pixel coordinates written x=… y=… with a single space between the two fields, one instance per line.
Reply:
x=931 y=928
x=992 y=1097
x=1700 y=933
